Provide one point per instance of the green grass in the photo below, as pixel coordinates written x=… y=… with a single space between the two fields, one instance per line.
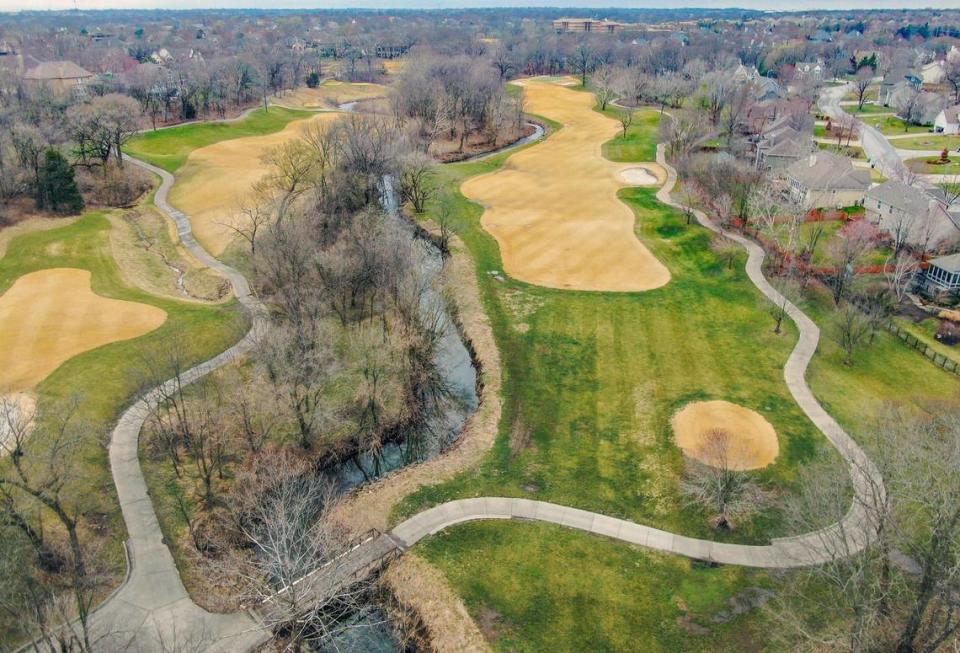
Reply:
x=821 y=257
x=640 y=143
x=595 y=378
x=892 y=126
x=867 y=109
x=921 y=166
x=852 y=151
x=928 y=142
x=169 y=148
x=926 y=331
x=540 y=587
x=105 y=379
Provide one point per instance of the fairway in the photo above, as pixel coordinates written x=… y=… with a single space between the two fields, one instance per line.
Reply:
x=553 y=208
x=329 y=95
x=50 y=316
x=217 y=179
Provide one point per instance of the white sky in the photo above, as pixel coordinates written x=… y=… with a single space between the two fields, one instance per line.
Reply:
x=16 y=5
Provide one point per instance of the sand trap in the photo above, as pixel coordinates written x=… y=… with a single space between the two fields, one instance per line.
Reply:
x=553 y=207
x=328 y=95
x=640 y=176
x=751 y=442
x=50 y=316
x=216 y=180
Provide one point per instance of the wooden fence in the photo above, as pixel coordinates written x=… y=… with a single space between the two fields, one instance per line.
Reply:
x=911 y=340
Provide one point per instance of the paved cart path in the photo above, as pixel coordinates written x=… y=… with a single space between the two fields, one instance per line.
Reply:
x=153 y=612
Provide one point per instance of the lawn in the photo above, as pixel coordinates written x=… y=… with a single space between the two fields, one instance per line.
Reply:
x=928 y=142
x=868 y=108
x=821 y=257
x=640 y=143
x=169 y=148
x=105 y=379
x=852 y=151
x=892 y=126
x=591 y=380
x=921 y=166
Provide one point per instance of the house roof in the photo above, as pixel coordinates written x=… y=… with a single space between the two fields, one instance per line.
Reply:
x=826 y=171
x=791 y=147
x=949 y=263
x=901 y=196
x=952 y=114
x=49 y=70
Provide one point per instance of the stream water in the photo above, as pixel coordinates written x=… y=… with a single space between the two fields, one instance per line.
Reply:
x=452 y=360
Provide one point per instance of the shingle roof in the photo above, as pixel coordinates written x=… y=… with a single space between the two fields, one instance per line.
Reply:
x=790 y=147
x=949 y=263
x=48 y=70
x=952 y=114
x=901 y=196
x=826 y=171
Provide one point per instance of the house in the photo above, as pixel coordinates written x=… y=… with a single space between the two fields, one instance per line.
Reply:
x=948 y=121
x=933 y=72
x=779 y=155
x=912 y=215
x=766 y=89
x=565 y=25
x=823 y=179
x=893 y=79
x=810 y=71
x=943 y=273
x=59 y=76
x=745 y=73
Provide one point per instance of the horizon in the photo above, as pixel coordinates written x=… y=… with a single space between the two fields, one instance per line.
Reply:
x=8 y=6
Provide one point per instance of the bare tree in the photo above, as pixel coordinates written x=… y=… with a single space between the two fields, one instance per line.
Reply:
x=292 y=172
x=604 y=80
x=861 y=83
x=582 y=62
x=850 y=328
x=417 y=180
x=625 y=116
x=901 y=270
x=714 y=480
x=295 y=575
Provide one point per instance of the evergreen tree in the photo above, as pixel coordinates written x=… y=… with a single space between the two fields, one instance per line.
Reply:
x=57 y=190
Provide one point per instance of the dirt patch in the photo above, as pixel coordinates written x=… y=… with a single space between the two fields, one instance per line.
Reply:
x=216 y=181
x=553 y=207
x=749 y=440
x=329 y=95
x=421 y=588
x=50 y=316
x=142 y=243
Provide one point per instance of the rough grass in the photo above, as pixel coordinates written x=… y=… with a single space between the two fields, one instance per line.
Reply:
x=594 y=378
x=105 y=379
x=892 y=126
x=921 y=166
x=169 y=148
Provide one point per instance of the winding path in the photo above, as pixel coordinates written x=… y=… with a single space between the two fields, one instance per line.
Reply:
x=152 y=610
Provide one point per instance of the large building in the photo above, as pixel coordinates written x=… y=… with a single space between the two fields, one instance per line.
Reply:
x=58 y=76
x=563 y=25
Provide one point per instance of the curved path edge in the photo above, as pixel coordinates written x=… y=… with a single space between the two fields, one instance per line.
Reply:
x=152 y=610
x=850 y=535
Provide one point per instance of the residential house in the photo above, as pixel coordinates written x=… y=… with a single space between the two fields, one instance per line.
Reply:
x=943 y=274
x=58 y=76
x=933 y=72
x=778 y=155
x=913 y=215
x=810 y=71
x=766 y=89
x=895 y=78
x=824 y=179
x=745 y=73
x=948 y=121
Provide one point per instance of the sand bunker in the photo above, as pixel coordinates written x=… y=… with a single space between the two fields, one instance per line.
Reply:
x=553 y=207
x=50 y=316
x=640 y=176
x=216 y=181
x=748 y=440
x=328 y=95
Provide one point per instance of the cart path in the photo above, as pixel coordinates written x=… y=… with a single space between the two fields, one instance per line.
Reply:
x=152 y=610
